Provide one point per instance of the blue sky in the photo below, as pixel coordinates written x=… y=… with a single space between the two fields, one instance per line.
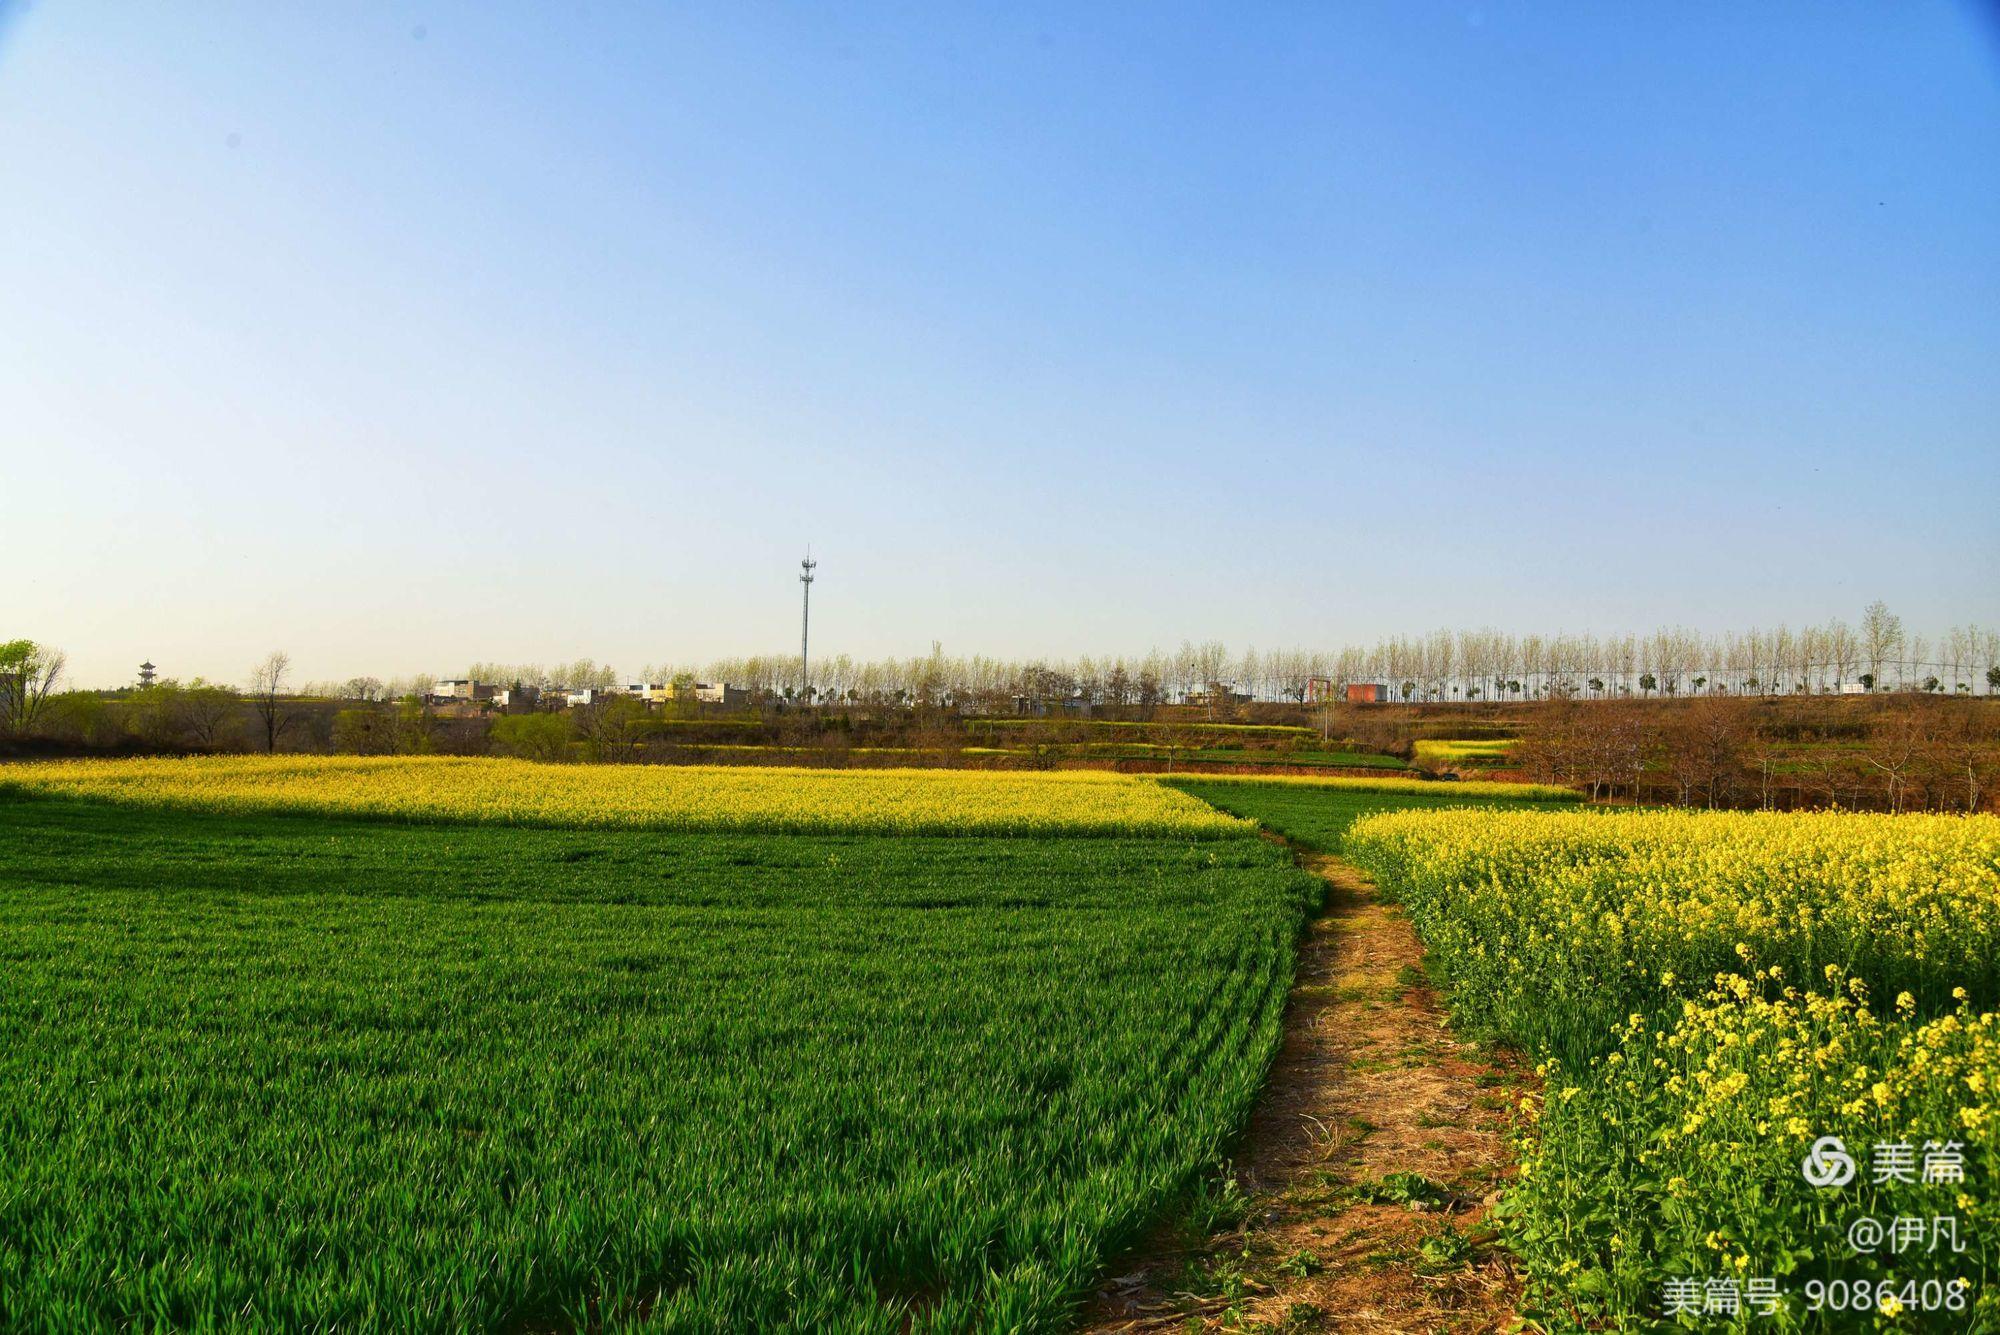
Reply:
x=407 y=336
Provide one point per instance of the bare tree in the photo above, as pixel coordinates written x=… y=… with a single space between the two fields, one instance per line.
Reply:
x=1881 y=638
x=1960 y=648
x=1823 y=770
x=205 y=707
x=1209 y=662
x=1704 y=751
x=1118 y=688
x=1960 y=757
x=1555 y=751
x=1179 y=740
x=611 y=728
x=1894 y=746
x=28 y=673
x=1766 y=755
x=1840 y=651
x=267 y=686
x=1916 y=654
x=369 y=689
x=1619 y=747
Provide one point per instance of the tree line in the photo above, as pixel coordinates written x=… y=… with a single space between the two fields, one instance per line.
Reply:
x=1445 y=665
x=1877 y=654
x=1906 y=752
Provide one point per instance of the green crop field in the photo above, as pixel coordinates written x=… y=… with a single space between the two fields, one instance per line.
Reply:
x=1311 y=759
x=1317 y=815
x=1117 y=727
x=282 y=1071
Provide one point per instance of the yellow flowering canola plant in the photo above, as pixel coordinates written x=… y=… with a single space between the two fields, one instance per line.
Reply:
x=1421 y=787
x=1695 y=982
x=1681 y=1154
x=1552 y=926
x=1444 y=751
x=520 y=792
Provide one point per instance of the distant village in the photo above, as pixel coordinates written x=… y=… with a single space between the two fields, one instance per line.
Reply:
x=465 y=693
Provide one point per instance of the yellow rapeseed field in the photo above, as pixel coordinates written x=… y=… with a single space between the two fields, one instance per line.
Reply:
x=1423 y=787
x=1714 y=995
x=1472 y=750
x=1547 y=917
x=433 y=788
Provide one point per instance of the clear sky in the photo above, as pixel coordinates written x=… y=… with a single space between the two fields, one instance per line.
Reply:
x=405 y=336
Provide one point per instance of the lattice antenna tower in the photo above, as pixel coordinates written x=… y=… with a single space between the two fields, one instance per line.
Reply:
x=805 y=624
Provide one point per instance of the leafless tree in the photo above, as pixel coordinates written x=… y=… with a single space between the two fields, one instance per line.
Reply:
x=611 y=728
x=28 y=673
x=1764 y=758
x=1917 y=652
x=204 y=708
x=1179 y=741
x=368 y=690
x=267 y=696
x=1881 y=639
x=1704 y=750
x=1961 y=759
x=1620 y=751
x=1118 y=686
x=1825 y=771
x=1840 y=651
x=1209 y=664
x=1894 y=746
x=1959 y=648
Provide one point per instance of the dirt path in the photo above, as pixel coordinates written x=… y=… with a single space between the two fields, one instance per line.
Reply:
x=1367 y=1167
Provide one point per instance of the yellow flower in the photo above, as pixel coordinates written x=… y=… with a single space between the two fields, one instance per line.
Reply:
x=679 y=797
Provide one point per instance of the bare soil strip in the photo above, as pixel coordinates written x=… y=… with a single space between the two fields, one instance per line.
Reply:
x=1367 y=1168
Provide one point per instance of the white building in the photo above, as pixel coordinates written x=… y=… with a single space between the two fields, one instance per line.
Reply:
x=721 y=693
